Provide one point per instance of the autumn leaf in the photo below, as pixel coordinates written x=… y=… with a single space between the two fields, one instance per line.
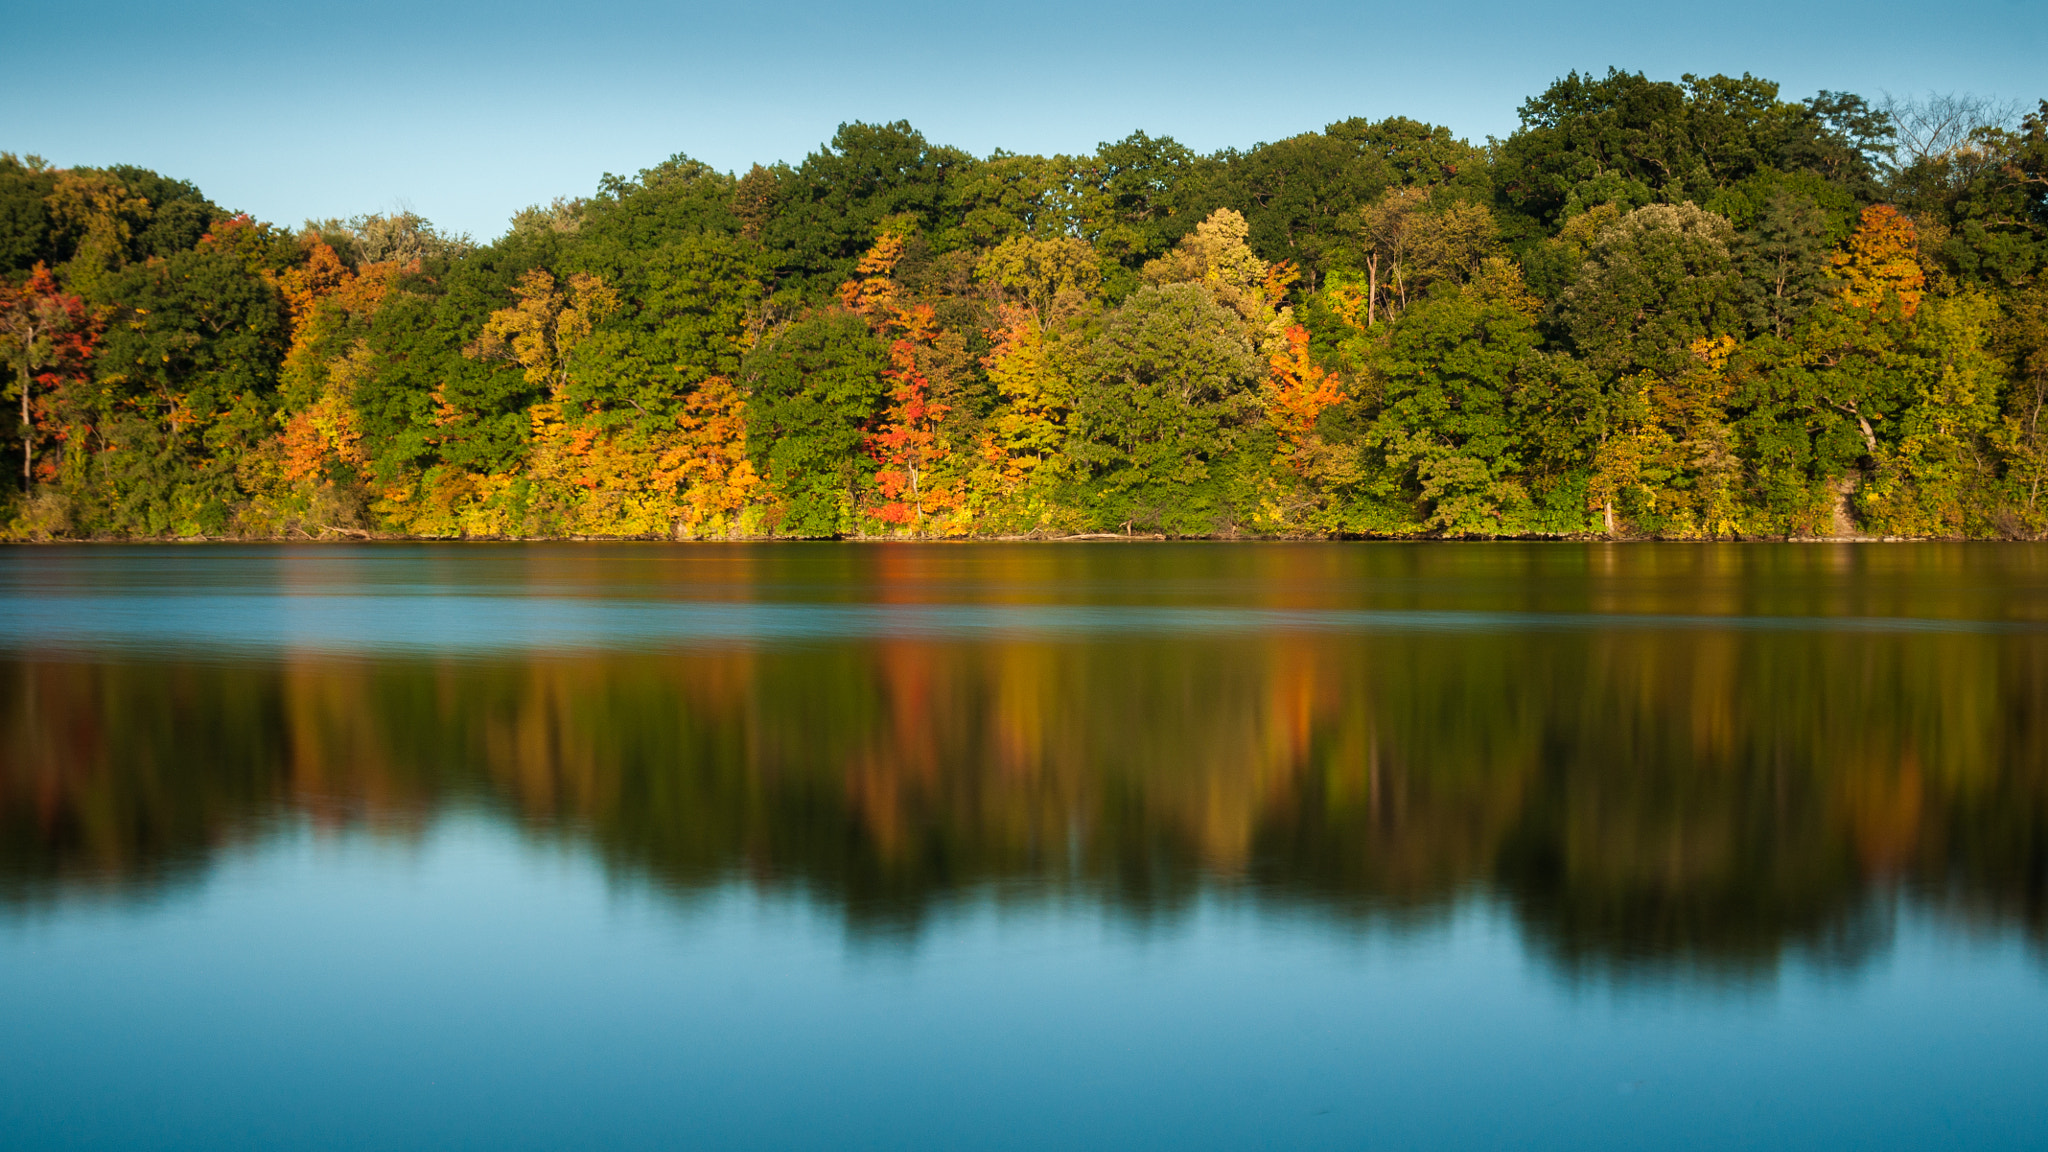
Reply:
x=1878 y=261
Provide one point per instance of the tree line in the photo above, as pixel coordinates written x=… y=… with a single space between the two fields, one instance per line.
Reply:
x=1684 y=309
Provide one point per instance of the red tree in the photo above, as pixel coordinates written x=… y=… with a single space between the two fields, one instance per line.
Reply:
x=1300 y=392
x=47 y=336
x=908 y=444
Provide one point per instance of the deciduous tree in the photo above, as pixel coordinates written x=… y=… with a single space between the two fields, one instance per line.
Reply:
x=47 y=336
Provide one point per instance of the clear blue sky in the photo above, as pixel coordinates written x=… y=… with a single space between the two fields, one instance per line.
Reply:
x=466 y=112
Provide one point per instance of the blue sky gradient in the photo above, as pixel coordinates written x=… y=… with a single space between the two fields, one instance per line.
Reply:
x=466 y=113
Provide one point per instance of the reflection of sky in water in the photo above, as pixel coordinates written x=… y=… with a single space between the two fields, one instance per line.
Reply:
x=473 y=990
x=484 y=598
x=397 y=623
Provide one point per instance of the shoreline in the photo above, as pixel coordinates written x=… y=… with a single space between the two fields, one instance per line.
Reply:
x=1077 y=538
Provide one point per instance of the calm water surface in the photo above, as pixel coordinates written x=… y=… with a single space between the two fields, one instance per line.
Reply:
x=1041 y=846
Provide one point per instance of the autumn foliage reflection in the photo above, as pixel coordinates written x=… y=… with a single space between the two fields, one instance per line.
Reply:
x=1706 y=797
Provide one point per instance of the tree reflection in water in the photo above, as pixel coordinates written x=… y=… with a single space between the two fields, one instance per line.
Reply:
x=1647 y=800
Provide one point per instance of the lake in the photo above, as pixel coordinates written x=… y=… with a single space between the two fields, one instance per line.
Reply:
x=995 y=846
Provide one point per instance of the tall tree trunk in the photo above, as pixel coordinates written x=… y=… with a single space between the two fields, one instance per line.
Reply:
x=1372 y=286
x=27 y=433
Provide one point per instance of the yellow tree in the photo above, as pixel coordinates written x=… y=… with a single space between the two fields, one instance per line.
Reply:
x=1878 y=262
x=575 y=468
x=707 y=465
x=872 y=292
x=1217 y=256
x=1669 y=461
x=307 y=476
x=327 y=302
x=304 y=285
x=1053 y=279
x=1026 y=432
x=547 y=323
x=327 y=424
x=1038 y=287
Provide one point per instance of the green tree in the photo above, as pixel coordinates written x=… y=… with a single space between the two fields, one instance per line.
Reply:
x=1161 y=392
x=1137 y=196
x=676 y=200
x=1448 y=430
x=188 y=376
x=1984 y=202
x=684 y=308
x=2022 y=340
x=1301 y=195
x=814 y=391
x=1656 y=280
x=830 y=208
x=425 y=403
x=1626 y=140
x=1783 y=262
x=25 y=186
x=1007 y=195
x=1810 y=409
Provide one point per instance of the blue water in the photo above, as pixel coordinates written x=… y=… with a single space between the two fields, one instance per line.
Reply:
x=469 y=860
x=464 y=989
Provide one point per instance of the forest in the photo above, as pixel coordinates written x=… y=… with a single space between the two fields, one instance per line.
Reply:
x=1673 y=310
